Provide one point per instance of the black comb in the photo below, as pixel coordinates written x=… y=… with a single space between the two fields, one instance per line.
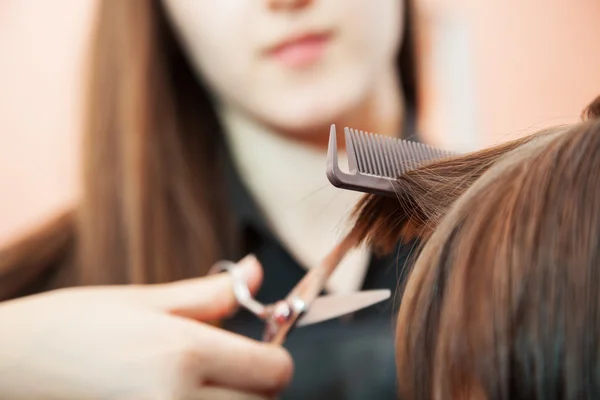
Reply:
x=375 y=161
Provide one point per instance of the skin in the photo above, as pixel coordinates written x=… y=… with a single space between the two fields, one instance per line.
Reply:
x=353 y=82
x=162 y=349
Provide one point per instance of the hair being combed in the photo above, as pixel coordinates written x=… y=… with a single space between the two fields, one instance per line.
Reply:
x=423 y=197
x=502 y=302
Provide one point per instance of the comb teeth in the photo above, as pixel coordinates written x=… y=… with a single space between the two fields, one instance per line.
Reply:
x=376 y=161
x=388 y=157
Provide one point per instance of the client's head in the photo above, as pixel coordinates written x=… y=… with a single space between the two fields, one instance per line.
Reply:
x=503 y=301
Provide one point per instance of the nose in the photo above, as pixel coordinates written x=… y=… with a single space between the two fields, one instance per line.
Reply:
x=288 y=4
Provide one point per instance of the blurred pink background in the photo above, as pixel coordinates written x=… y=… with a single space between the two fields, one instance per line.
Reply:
x=491 y=71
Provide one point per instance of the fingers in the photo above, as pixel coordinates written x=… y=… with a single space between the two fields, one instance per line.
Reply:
x=205 y=298
x=243 y=364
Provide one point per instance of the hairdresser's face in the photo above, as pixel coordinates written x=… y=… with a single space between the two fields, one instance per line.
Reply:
x=293 y=64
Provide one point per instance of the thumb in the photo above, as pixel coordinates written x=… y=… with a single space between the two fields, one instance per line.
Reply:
x=206 y=298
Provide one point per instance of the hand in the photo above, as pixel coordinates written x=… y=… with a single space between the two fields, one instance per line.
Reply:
x=135 y=342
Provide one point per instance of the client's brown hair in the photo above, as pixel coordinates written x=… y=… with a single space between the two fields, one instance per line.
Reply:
x=503 y=301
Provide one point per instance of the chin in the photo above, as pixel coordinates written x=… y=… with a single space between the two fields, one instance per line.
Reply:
x=314 y=110
x=301 y=120
x=304 y=120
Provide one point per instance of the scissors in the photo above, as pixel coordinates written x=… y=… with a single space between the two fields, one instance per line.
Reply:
x=303 y=306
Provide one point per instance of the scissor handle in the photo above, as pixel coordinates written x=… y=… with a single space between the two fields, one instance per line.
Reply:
x=240 y=289
x=283 y=315
x=275 y=315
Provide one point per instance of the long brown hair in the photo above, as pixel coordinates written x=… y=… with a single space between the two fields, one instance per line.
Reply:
x=154 y=207
x=502 y=301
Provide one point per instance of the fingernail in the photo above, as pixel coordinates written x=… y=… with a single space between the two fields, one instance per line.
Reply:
x=250 y=258
x=246 y=264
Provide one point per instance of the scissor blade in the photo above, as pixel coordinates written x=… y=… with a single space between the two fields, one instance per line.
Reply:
x=333 y=306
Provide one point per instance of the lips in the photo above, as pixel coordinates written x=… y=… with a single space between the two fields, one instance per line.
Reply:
x=300 y=50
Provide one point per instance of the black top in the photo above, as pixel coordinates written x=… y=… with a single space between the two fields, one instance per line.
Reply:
x=336 y=359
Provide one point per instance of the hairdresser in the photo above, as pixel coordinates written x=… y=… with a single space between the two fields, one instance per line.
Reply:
x=205 y=138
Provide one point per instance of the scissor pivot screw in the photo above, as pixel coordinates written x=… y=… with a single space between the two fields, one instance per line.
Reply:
x=282 y=312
